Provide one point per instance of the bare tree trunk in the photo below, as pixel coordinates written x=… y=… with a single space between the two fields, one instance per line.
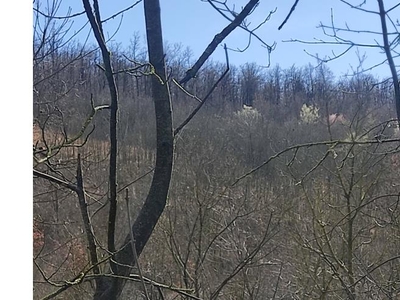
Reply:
x=156 y=199
x=388 y=52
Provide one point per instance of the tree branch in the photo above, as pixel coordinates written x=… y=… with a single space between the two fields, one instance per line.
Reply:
x=56 y=180
x=86 y=219
x=191 y=73
x=95 y=23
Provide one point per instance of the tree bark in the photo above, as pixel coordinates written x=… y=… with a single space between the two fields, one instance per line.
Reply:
x=156 y=199
x=388 y=52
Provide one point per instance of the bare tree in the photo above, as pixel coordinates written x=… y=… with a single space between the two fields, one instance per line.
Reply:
x=272 y=202
x=388 y=33
x=120 y=259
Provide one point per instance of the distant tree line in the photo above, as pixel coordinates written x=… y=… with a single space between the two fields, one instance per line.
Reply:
x=284 y=185
x=279 y=93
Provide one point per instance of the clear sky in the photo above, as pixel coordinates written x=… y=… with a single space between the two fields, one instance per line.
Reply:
x=193 y=23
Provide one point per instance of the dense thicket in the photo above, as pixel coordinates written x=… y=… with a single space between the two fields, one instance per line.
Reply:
x=320 y=220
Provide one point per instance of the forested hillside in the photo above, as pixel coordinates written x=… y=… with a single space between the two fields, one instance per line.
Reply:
x=284 y=184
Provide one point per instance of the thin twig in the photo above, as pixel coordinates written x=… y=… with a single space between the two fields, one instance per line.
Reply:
x=135 y=256
x=311 y=144
x=194 y=112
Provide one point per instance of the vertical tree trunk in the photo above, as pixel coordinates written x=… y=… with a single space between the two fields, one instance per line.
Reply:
x=156 y=199
x=388 y=52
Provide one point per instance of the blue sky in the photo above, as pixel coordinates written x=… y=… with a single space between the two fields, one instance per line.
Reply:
x=194 y=23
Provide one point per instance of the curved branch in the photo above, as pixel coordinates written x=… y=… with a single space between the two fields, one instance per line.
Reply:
x=95 y=22
x=332 y=143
